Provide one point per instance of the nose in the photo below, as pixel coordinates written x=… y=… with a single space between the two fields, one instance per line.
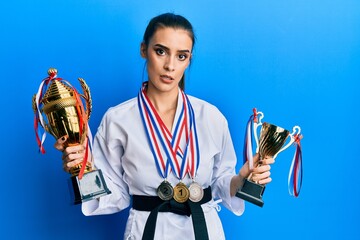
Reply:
x=169 y=64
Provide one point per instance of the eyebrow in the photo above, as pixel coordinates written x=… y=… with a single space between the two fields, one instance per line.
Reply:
x=167 y=49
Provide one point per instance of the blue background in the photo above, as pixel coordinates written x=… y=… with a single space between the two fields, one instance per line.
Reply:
x=296 y=61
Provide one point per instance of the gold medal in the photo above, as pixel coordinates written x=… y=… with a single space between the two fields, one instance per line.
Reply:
x=165 y=191
x=196 y=192
x=181 y=193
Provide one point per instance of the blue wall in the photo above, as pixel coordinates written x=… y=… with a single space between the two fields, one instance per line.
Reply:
x=297 y=61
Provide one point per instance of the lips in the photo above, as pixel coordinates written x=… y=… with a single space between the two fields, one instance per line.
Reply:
x=166 y=78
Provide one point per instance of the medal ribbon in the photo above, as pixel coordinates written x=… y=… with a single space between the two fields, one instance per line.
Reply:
x=194 y=157
x=296 y=169
x=158 y=132
x=162 y=166
x=154 y=122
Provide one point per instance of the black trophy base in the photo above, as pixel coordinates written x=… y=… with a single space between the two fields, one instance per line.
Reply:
x=91 y=186
x=252 y=192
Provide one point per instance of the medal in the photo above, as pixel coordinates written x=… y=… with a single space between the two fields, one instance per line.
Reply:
x=165 y=191
x=196 y=192
x=181 y=193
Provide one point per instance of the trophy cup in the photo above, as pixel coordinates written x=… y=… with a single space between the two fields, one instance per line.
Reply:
x=59 y=109
x=270 y=143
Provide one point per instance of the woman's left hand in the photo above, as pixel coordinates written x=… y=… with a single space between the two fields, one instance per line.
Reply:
x=261 y=173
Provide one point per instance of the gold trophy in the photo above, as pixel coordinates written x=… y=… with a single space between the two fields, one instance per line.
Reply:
x=271 y=142
x=60 y=111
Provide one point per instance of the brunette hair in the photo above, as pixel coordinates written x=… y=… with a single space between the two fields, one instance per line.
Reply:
x=173 y=21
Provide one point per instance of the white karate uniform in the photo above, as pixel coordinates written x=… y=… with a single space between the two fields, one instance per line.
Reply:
x=121 y=150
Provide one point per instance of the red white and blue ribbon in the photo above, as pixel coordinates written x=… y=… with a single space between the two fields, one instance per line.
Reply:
x=165 y=146
x=248 y=143
x=192 y=152
x=296 y=169
x=153 y=136
x=38 y=115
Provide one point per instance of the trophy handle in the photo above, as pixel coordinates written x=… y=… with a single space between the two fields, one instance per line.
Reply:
x=86 y=96
x=296 y=130
x=256 y=125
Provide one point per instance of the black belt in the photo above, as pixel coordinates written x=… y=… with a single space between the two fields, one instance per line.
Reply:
x=188 y=208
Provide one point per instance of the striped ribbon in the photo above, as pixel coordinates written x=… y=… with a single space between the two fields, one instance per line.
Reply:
x=164 y=145
x=38 y=115
x=194 y=159
x=248 y=143
x=296 y=169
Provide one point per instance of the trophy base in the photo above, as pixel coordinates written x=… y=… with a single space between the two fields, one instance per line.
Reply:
x=91 y=186
x=252 y=192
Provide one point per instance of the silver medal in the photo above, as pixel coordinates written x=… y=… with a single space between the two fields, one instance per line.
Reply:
x=196 y=192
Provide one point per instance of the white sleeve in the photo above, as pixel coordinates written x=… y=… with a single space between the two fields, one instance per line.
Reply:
x=224 y=170
x=107 y=152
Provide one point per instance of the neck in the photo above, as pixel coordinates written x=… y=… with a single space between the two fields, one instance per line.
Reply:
x=163 y=101
x=165 y=104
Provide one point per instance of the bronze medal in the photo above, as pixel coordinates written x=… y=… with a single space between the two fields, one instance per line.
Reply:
x=165 y=191
x=181 y=193
x=196 y=192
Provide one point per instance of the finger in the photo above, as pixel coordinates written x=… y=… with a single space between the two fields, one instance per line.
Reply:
x=73 y=156
x=59 y=144
x=77 y=149
x=68 y=165
x=72 y=160
x=261 y=169
x=265 y=181
x=260 y=176
x=267 y=160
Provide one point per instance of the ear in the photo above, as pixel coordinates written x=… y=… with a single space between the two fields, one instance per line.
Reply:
x=143 y=49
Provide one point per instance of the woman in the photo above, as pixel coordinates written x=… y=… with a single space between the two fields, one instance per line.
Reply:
x=168 y=154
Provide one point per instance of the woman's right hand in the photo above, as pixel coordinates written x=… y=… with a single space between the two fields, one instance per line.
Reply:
x=72 y=155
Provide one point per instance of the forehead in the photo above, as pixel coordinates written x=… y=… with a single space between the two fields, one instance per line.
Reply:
x=173 y=38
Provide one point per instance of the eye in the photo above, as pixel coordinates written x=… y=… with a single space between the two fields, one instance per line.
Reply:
x=182 y=57
x=160 y=51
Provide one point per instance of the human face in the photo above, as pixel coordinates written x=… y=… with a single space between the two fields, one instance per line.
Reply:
x=168 y=55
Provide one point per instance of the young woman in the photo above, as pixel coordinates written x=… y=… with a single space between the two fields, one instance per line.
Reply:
x=168 y=155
